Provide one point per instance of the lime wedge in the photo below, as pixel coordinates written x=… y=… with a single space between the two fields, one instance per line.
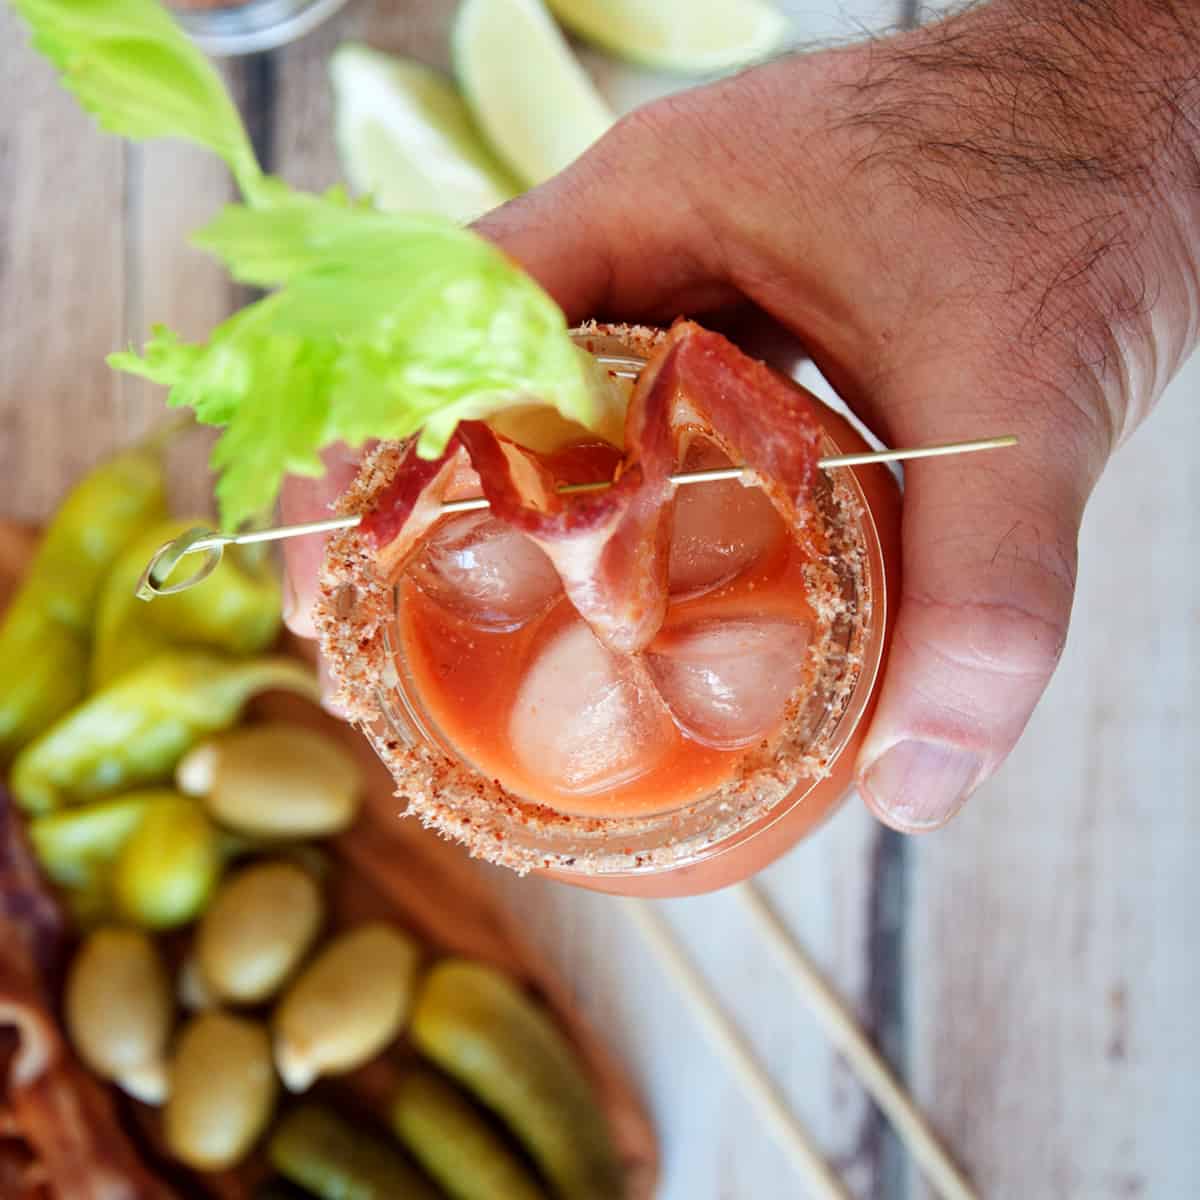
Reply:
x=406 y=138
x=528 y=92
x=696 y=36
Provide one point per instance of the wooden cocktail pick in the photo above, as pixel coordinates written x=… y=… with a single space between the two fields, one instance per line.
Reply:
x=212 y=544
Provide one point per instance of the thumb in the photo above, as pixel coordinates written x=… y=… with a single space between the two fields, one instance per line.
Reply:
x=989 y=556
x=621 y=233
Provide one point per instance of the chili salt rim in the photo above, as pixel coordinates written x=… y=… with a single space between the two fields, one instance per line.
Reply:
x=355 y=609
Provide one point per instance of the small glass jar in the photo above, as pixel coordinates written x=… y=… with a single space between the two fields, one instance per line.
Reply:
x=720 y=839
x=225 y=27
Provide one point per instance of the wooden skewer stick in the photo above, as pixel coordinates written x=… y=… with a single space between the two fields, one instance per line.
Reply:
x=212 y=544
x=822 y=1182
x=844 y=1032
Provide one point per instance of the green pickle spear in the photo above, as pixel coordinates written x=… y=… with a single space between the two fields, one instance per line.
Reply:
x=334 y=1160
x=134 y=732
x=455 y=1143
x=474 y=1023
x=237 y=609
x=45 y=632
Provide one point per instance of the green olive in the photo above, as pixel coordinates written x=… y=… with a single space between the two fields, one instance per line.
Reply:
x=346 y=1005
x=223 y=1091
x=274 y=780
x=165 y=872
x=118 y=1010
x=259 y=926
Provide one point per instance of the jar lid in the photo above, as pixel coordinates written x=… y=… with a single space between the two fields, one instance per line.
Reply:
x=252 y=25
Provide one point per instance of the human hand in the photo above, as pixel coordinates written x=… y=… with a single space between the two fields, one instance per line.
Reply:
x=989 y=225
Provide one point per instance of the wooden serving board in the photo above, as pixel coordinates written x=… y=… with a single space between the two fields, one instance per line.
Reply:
x=385 y=866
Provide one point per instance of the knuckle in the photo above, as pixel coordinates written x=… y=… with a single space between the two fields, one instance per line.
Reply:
x=690 y=127
x=999 y=638
x=985 y=607
x=653 y=123
x=999 y=608
x=1057 y=402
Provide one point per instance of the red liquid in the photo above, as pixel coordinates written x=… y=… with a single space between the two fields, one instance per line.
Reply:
x=477 y=687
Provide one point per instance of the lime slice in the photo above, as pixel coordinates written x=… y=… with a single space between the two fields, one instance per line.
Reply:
x=527 y=90
x=406 y=138
x=696 y=36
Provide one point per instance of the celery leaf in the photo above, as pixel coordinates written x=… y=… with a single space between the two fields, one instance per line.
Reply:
x=385 y=325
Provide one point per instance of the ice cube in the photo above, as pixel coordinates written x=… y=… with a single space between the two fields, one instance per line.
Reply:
x=721 y=529
x=486 y=572
x=586 y=719
x=727 y=681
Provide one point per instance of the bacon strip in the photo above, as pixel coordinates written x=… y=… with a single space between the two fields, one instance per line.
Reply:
x=411 y=503
x=757 y=416
x=612 y=547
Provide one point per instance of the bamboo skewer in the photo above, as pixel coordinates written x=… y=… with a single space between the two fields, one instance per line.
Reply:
x=844 y=1032
x=730 y=1042
x=212 y=544
x=838 y=1025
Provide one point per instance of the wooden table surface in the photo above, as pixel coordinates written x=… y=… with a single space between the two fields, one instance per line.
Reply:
x=1032 y=971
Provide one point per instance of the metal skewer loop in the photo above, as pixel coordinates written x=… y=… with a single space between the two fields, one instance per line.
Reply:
x=153 y=580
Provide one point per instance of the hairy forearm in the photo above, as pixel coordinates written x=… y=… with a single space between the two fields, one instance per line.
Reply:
x=1092 y=94
x=1072 y=129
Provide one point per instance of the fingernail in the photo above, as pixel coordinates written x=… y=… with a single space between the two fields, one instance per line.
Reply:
x=920 y=785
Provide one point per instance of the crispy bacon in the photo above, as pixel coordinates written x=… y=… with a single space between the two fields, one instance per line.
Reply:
x=758 y=417
x=411 y=503
x=612 y=547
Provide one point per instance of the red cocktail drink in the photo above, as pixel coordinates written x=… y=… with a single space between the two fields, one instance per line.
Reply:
x=519 y=714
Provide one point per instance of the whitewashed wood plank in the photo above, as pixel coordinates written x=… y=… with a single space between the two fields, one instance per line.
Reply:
x=1053 y=964
x=303 y=150
x=302 y=147
x=175 y=189
x=94 y=235
x=62 y=281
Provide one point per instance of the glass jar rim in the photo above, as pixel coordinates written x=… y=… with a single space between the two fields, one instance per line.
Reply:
x=523 y=835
